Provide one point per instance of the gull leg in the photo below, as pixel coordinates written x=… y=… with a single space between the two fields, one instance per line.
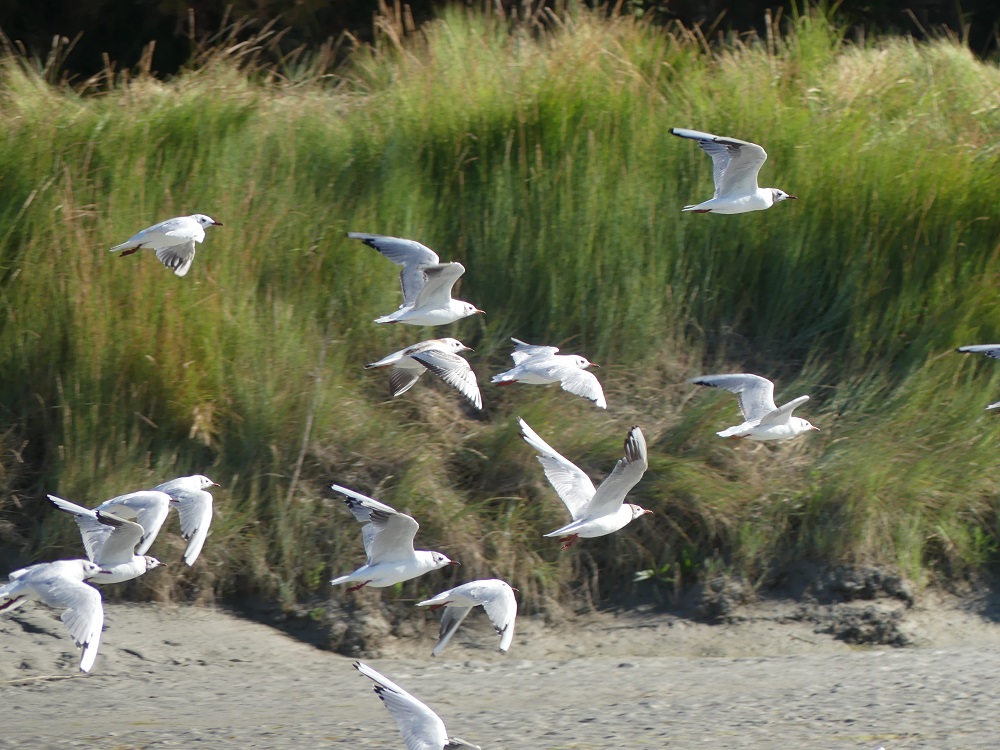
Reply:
x=701 y=210
x=569 y=541
x=438 y=606
x=129 y=252
x=359 y=586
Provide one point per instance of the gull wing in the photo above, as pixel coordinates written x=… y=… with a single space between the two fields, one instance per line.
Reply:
x=387 y=533
x=626 y=475
x=402 y=379
x=149 y=508
x=524 y=351
x=782 y=415
x=178 y=257
x=754 y=393
x=451 y=618
x=409 y=254
x=573 y=486
x=581 y=383
x=454 y=370
x=422 y=729
x=194 y=507
x=501 y=608
x=108 y=539
x=83 y=615
x=735 y=162
x=438 y=283
x=990 y=350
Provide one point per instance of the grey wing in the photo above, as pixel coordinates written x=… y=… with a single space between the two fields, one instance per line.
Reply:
x=120 y=545
x=582 y=383
x=626 y=475
x=148 y=507
x=572 y=485
x=438 y=283
x=422 y=729
x=453 y=370
x=451 y=618
x=754 y=393
x=83 y=615
x=177 y=258
x=409 y=254
x=740 y=175
x=402 y=379
x=387 y=534
x=735 y=162
x=781 y=416
x=502 y=611
x=195 y=511
x=95 y=534
x=524 y=351
x=990 y=350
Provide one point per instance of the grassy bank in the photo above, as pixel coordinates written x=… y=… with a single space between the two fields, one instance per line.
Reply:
x=539 y=156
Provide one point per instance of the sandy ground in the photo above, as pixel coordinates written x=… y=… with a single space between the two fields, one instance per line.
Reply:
x=196 y=677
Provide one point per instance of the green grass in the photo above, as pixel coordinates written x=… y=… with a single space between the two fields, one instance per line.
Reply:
x=538 y=154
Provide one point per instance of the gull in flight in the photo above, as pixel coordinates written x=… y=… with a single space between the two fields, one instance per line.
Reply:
x=61 y=585
x=110 y=542
x=388 y=538
x=149 y=509
x=736 y=166
x=426 y=282
x=440 y=357
x=497 y=598
x=762 y=420
x=173 y=240
x=599 y=511
x=422 y=729
x=541 y=365
x=990 y=350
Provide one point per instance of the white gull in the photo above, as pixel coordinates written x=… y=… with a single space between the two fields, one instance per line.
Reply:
x=173 y=240
x=110 y=542
x=61 y=585
x=762 y=419
x=426 y=282
x=541 y=365
x=388 y=538
x=736 y=166
x=440 y=357
x=496 y=597
x=599 y=511
x=990 y=350
x=422 y=729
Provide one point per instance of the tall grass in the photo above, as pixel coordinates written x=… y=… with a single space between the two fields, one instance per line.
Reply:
x=538 y=154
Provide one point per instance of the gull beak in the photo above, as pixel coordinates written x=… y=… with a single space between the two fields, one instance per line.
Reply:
x=815 y=428
x=483 y=312
x=645 y=511
x=593 y=364
x=454 y=562
x=793 y=197
x=468 y=349
x=216 y=484
x=217 y=224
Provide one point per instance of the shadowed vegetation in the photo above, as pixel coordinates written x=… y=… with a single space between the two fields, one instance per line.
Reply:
x=539 y=156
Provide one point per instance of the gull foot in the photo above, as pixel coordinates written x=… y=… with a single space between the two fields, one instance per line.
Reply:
x=569 y=541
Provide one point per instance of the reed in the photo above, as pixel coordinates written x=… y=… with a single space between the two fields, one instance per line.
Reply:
x=537 y=153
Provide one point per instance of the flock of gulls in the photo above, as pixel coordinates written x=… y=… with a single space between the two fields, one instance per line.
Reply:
x=117 y=533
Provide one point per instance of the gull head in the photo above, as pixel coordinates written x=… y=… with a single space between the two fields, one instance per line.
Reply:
x=90 y=570
x=203 y=482
x=465 y=310
x=206 y=221
x=780 y=195
x=454 y=345
x=638 y=510
x=441 y=560
x=582 y=362
x=801 y=425
x=151 y=562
